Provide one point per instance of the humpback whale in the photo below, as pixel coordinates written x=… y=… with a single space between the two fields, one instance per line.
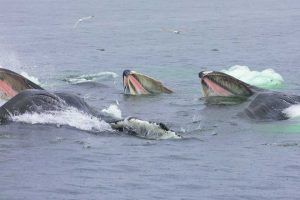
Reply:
x=135 y=83
x=26 y=97
x=264 y=105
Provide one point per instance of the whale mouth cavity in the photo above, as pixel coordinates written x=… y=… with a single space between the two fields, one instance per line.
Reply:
x=218 y=84
x=132 y=84
x=12 y=83
x=139 y=84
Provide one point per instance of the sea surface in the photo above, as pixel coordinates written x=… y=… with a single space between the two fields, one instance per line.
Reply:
x=221 y=156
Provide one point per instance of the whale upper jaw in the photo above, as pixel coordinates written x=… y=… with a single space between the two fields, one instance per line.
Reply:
x=135 y=83
x=218 y=84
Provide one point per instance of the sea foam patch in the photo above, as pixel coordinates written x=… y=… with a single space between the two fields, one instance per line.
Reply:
x=267 y=78
x=74 y=79
x=113 y=111
x=70 y=116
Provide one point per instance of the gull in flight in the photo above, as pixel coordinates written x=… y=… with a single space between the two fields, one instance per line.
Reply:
x=82 y=19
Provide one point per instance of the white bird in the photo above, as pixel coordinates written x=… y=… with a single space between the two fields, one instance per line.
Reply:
x=172 y=30
x=82 y=19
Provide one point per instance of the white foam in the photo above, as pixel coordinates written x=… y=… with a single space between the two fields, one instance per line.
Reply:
x=113 y=111
x=267 y=78
x=71 y=117
x=91 y=77
x=31 y=78
x=292 y=111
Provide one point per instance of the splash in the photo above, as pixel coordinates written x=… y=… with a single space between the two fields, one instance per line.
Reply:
x=74 y=79
x=71 y=117
x=113 y=111
x=267 y=78
x=31 y=78
x=292 y=111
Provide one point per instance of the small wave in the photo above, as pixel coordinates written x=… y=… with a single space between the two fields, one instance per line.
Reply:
x=113 y=111
x=292 y=111
x=70 y=116
x=267 y=78
x=74 y=79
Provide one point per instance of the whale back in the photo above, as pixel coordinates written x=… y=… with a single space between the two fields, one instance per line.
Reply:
x=76 y=102
x=39 y=101
x=269 y=106
x=30 y=101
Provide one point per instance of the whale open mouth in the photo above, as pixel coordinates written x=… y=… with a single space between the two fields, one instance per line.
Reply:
x=12 y=83
x=218 y=84
x=139 y=84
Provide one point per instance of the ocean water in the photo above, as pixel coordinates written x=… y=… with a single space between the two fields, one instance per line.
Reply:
x=221 y=156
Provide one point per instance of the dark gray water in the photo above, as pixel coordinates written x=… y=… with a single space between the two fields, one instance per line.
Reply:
x=221 y=155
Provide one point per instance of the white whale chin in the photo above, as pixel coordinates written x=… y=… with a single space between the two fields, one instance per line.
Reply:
x=145 y=129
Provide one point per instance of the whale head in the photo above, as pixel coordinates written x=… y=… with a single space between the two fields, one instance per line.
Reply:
x=139 y=84
x=218 y=84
